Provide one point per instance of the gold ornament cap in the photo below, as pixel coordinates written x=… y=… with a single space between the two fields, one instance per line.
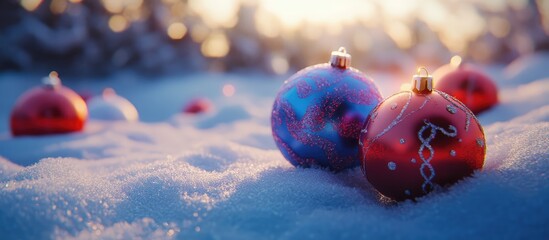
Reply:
x=422 y=83
x=52 y=81
x=340 y=58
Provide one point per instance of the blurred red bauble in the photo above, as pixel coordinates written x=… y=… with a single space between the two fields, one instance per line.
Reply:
x=48 y=109
x=198 y=105
x=416 y=141
x=469 y=85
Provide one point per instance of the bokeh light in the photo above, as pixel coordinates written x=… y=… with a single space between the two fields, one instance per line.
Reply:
x=228 y=90
x=499 y=27
x=176 y=30
x=216 y=45
x=30 y=5
x=118 y=23
x=279 y=64
x=58 y=6
x=113 y=6
x=281 y=35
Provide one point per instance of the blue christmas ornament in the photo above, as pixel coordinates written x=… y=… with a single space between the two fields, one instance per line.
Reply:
x=319 y=112
x=111 y=107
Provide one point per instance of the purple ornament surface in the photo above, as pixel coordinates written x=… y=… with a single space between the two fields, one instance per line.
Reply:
x=318 y=114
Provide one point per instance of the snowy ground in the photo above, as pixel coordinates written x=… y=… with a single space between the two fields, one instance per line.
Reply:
x=220 y=176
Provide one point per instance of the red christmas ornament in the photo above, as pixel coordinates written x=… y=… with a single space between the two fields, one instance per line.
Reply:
x=49 y=109
x=198 y=105
x=469 y=85
x=416 y=141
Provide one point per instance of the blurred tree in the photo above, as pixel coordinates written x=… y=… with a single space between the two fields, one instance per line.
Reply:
x=91 y=37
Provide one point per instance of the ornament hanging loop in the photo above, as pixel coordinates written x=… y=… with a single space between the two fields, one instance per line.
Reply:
x=424 y=70
x=422 y=83
x=340 y=58
x=108 y=92
x=52 y=81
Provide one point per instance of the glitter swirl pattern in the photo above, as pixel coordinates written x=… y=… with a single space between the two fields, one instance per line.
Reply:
x=425 y=143
x=318 y=114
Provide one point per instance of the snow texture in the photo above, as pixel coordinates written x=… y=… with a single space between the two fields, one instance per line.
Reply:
x=220 y=176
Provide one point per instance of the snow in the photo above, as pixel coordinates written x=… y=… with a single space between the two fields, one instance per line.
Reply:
x=220 y=176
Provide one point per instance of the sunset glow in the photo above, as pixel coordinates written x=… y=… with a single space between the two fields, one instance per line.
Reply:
x=459 y=27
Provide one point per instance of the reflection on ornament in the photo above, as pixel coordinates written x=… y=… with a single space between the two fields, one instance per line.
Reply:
x=112 y=107
x=198 y=105
x=49 y=109
x=419 y=140
x=318 y=113
x=469 y=85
